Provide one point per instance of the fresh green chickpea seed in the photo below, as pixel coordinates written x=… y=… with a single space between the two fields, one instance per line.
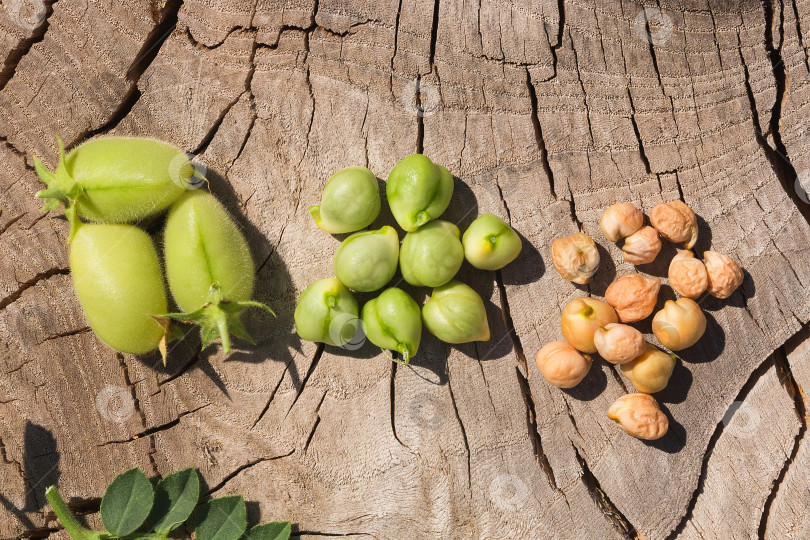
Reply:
x=455 y=313
x=393 y=321
x=367 y=260
x=350 y=201
x=327 y=313
x=116 y=180
x=431 y=255
x=418 y=191
x=489 y=243
x=117 y=277
x=209 y=268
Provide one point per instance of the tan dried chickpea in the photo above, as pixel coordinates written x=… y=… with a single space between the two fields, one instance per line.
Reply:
x=642 y=246
x=619 y=343
x=620 y=221
x=562 y=365
x=575 y=257
x=651 y=371
x=687 y=275
x=676 y=222
x=640 y=416
x=680 y=324
x=580 y=319
x=725 y=275
x=633 y=296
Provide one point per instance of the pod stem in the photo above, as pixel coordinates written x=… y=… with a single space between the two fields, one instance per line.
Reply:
x=406 y=357
x=219 y=317
x=62 y=189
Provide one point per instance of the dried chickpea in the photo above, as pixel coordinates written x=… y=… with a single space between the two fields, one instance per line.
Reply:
x=687 y=275
x=725 y=275
x=676 y=222
x=642 y=246
x=575 y=257
x=640 y=416
x=580 y=319
x=562 y=365
x=680 y=324
x=651 y=371
x=620 y=221
x=619 y=343
x=633 y=296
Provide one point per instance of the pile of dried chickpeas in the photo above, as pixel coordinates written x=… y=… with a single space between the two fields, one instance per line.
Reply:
x=595 y=326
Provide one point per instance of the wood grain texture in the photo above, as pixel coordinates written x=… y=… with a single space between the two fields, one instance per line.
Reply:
x=546 y=113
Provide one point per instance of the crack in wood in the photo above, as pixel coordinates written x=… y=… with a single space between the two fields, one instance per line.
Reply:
x=24 y=45
x=328 y=534
x=392 y=399
x=272 y=394
x=77 y=331
x=25 y=285
x=209 y=136
x=434 y=34
x=243 y=468
x=560 y=29
x=799 y=34
x=156 y=429
x=523 y=382
x=753 y=379
x=637 y=133
x=146 y=55
x=316 y=424
x=614 y=370
x=154 y=40
x=538 y=135
x=312 y=365
x=795 y=392
x=11 y=222
x=461 y=426
x=619 y=521
x=777 y=154
x=137 y=406
x=651 y=47
x=183 y=369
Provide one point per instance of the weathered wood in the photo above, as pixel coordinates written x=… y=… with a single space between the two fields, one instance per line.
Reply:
x=788 y=515
x=546 y=113
x=758 y=436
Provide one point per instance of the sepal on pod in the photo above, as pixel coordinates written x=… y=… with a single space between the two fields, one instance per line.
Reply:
x=62 y=189
x=219 y=317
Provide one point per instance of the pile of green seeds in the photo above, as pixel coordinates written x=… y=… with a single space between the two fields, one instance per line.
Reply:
x=430 y=255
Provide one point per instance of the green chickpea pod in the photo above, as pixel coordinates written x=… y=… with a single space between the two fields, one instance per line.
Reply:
x=431 y=255
x=350 y=201
x=116 y=180
x=456 y=314
x=209 y=268
x=490 y=244
x=418 y=191
x=118 y=279
x=393 y=321
x=326 y=313
x=367 y=260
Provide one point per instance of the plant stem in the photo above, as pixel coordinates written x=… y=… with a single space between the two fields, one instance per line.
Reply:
x=71 y=524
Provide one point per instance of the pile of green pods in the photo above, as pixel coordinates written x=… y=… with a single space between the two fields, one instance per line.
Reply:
x=108 y=187
x=430 y=255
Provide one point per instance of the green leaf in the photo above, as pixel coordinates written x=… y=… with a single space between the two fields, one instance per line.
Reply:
x=224 y=519
x=278 y=530
x=175 y=499
x=127 y=502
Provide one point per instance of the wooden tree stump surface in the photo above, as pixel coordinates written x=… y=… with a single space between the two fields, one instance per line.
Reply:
x=546 y=113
